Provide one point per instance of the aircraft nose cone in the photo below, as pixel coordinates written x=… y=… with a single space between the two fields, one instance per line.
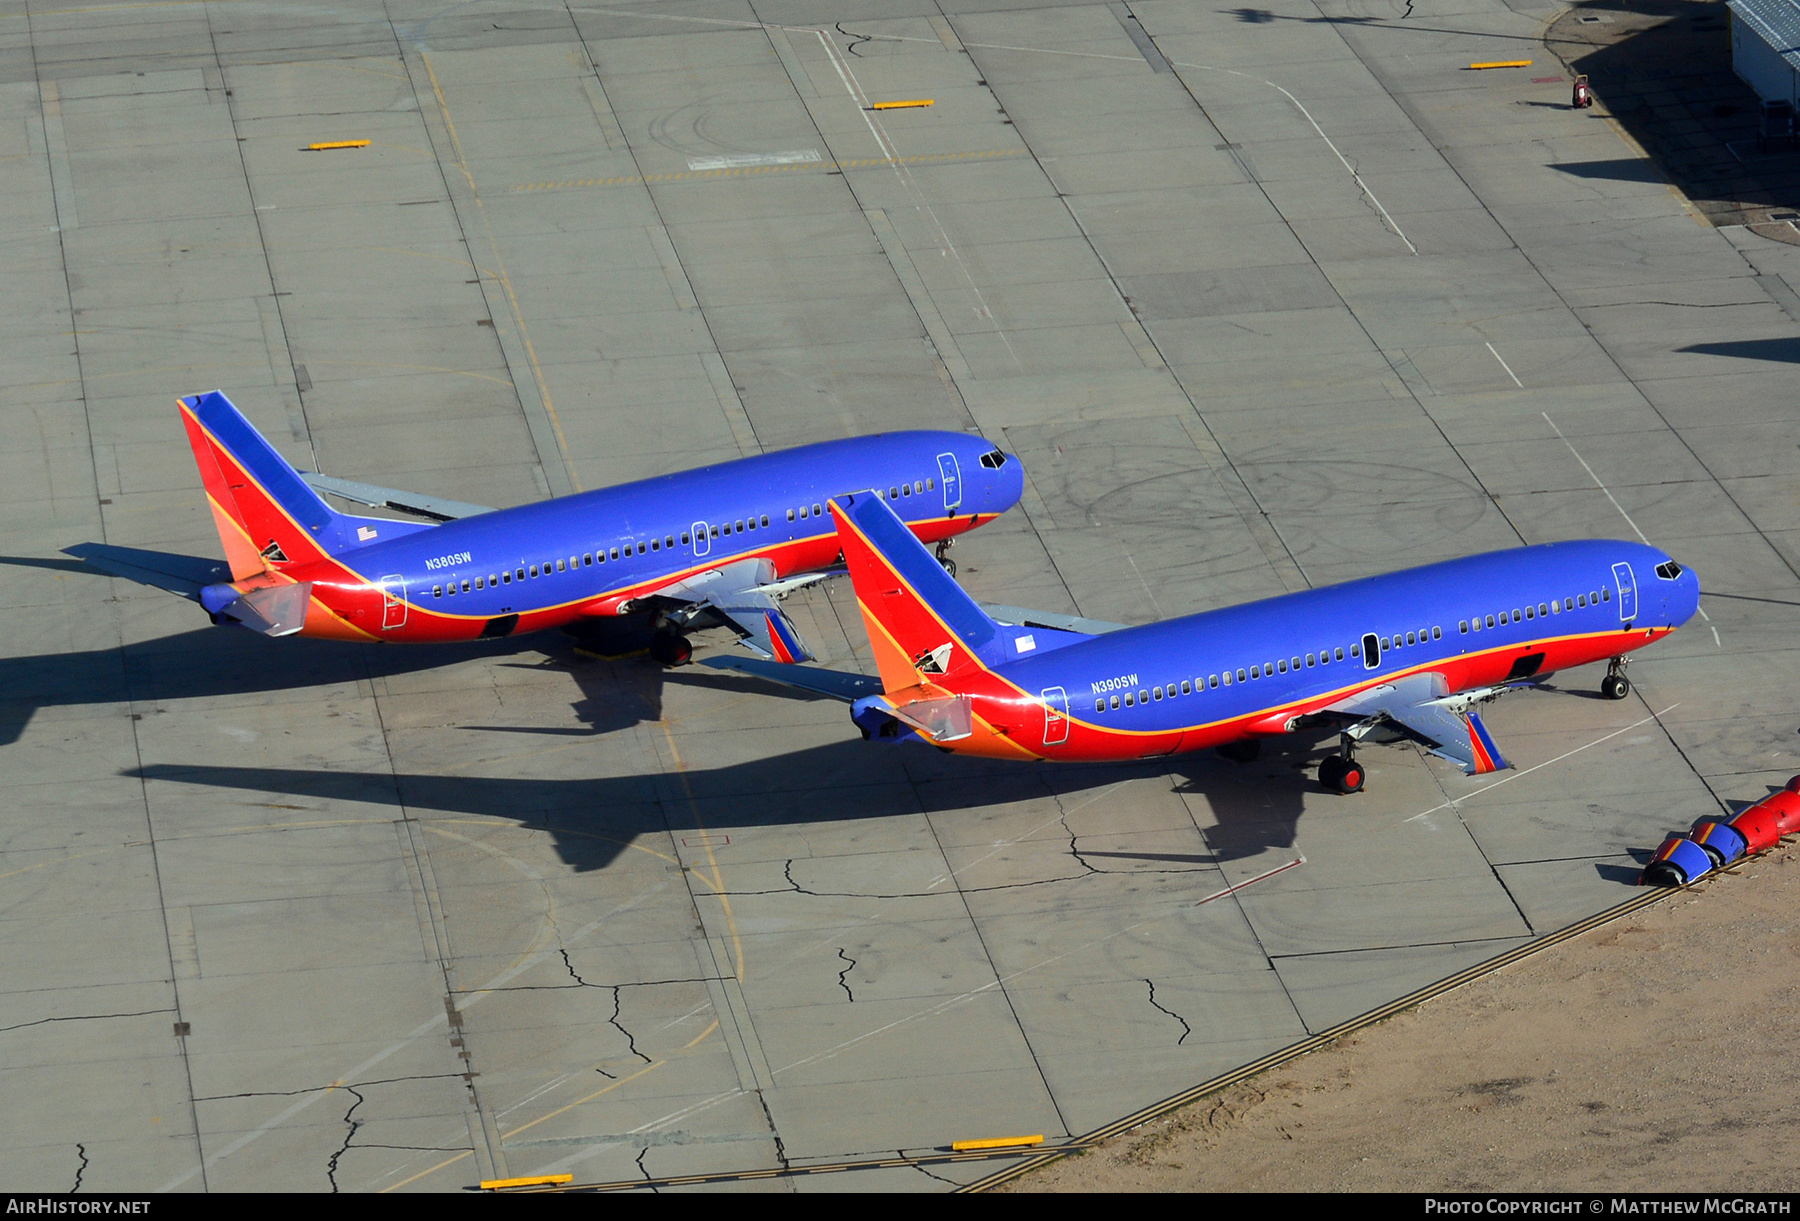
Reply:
x=1687 y=600
x=1011 y=484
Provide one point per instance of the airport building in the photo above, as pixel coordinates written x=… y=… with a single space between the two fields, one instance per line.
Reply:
x=1765 y=47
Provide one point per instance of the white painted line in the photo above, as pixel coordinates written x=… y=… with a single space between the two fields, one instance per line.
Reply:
x=738 y=161
x=1509 y=372
x=946 y=247
x=1590 y=471
x=1538 y=767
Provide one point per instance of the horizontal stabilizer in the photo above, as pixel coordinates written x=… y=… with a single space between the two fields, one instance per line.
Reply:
x=834 y=683
x=942 y=720
x=273 y=610
x=1019 y=616
x=182 y=575
x=434 y=507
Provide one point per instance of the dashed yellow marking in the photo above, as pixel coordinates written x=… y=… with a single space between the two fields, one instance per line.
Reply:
x=626 y=180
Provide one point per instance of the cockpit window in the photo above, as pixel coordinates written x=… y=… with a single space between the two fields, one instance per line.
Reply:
x=993 y=460
x=1669 y=571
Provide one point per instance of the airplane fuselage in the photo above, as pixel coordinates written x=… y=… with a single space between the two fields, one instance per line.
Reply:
x=1251 y=670
x=592 y=554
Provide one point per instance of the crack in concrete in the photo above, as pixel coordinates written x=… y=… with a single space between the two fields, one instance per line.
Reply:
x=630 y=1042
x=630 y=983
x=84 y=1017
x=922 y=1170
x=643 y=1170
x=856 y=40
x=1186 y=1030
x=332 y=1165
x=1680 y=304
x=1073 y=850
x=796 y=889
x=325 y=1089
x=774 y=1132
x=847 y=969
x=81 y=1170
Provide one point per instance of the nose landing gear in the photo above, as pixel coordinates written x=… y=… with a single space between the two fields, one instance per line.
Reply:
x=1615 y=686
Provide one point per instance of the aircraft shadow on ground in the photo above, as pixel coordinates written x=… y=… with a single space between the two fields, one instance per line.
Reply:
x=1256 y=806
x=227 y=662
x=593 y=819
x=1785 y=351
x=616 y=691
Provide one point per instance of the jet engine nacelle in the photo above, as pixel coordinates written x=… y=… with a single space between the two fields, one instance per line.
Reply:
x=1713 y=844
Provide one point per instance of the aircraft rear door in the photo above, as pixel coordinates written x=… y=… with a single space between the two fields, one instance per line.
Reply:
x=1056 y=716
x=393 y=602
x=1627 y=583
x=952 y=477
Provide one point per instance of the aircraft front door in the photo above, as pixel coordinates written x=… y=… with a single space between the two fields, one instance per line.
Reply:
x=393 y=602
x=1627 y=583
x=952 y=477
x=1056 y=716
x=702 y=541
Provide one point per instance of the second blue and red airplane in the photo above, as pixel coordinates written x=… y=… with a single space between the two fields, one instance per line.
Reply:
x=1406 y=655
x=717 y=546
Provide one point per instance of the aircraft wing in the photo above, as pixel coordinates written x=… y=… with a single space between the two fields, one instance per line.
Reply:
x=743 y=594
x=1447 y=725
x=434 y=507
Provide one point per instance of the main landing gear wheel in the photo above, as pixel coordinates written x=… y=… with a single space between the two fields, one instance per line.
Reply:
x=943 y=557
x=671 y=649
x=1340 y=775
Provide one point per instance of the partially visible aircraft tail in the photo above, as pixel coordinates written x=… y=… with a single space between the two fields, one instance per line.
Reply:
x=922 y=627
x=265 y=513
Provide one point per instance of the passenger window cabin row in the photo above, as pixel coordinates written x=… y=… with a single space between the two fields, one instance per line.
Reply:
x=666 y=542
x=1418 y=636
x=1225 y=678
x=1540 y=611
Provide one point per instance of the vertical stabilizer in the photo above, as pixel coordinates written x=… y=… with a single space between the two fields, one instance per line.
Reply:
x=266 y=515
x=922 y=626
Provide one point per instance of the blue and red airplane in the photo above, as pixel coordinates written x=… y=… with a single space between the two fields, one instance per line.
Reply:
x=716 y=546
x=1405 y=655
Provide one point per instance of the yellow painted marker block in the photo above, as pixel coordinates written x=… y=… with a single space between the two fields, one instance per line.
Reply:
x=540 y=1180
x=319 y=148
x=1503 y=63
x=998 y=1142
x=900 y=105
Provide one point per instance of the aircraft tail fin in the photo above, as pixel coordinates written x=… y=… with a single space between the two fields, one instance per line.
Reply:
x=922 y=626
x=266 y=514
